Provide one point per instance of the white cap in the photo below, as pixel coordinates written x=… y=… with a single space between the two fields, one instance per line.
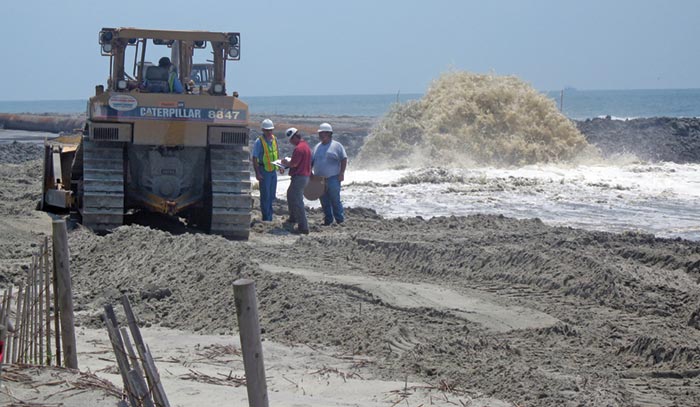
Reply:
x=325 y=127
x=291 y=132
x=267 y=125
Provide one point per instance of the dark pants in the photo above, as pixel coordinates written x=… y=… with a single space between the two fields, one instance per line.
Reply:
x=295 y=201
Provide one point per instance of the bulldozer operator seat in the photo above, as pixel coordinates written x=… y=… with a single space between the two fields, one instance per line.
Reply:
x=157 y=79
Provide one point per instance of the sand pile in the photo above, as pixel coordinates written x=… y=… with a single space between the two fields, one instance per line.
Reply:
x=467 y=118
x=20 y=178
x=17 y=153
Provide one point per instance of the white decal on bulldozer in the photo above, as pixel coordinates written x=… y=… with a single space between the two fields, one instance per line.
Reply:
x=171 y=112
x=123 y=103
x=224 y=114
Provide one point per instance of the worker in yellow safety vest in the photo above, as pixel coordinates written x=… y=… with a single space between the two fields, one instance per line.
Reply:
x=265 y=153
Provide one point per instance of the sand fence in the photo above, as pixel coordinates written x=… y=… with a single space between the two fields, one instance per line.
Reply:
x=142 y=384
x=42 y=331
x=37 y=332
x=27 y=334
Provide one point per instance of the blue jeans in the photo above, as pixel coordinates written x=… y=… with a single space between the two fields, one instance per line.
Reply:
x=330 y=202
x=268 y=188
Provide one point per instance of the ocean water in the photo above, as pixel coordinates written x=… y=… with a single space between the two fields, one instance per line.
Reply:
x=580 y=104
x=656 y=198
x=577 y=104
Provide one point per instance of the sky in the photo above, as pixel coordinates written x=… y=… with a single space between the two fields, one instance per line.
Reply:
x=325 y=47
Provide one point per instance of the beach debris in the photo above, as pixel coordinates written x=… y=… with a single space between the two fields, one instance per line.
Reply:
x=327 y=371
x=220 y=380
x=73 y=380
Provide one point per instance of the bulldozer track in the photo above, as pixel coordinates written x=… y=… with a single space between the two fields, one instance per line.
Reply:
x=230 y=185
x=103 y=185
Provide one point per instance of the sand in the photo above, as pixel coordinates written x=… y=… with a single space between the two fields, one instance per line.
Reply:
x=478 y=310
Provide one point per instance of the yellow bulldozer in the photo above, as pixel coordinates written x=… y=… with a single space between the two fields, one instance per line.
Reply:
x=147 y=147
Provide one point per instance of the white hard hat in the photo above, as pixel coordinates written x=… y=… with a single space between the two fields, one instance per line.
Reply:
x=325 y=127
x=267 y=125
x=291 y=132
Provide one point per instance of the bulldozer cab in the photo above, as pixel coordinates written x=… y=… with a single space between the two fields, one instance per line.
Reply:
x=150 y=145
x=196 y=56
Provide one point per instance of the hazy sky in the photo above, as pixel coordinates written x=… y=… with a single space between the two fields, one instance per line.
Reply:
x=314 y=47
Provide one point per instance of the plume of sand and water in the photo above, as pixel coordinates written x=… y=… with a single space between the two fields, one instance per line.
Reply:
x=468 y=119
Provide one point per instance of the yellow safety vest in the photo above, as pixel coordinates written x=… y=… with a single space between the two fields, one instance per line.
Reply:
x=269 y=156
x=171 y=81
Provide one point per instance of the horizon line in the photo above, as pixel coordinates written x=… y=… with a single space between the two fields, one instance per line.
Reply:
x=564 y=89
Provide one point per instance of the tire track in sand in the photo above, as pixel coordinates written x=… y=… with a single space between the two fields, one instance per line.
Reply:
x=472 y=305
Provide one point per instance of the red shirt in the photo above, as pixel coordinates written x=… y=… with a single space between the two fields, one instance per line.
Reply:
x=301 y=160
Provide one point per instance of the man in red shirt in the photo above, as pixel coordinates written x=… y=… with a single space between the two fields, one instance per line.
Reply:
x=300 y=171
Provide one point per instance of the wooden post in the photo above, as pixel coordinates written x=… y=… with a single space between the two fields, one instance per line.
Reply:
x=40 y=298
x=56 y=321
x=47 y=289
x=35 y=296
x=249 y=326
x=64 y=293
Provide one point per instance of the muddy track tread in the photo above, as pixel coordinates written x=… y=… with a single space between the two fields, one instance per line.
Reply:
x=103 y=185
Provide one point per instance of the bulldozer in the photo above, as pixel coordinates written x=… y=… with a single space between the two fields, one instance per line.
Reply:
x=184 y=155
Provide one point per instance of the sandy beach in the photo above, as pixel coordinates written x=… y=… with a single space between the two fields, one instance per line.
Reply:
x=479 y=310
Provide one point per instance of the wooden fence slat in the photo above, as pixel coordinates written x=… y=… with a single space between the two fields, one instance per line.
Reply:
x=139 y=385
x=24 y=348
x=115 y=339
x=149 y=365
x=16 y=338
x=32 y=326
x=40 y=299
x=130 y=350
x=9 y=326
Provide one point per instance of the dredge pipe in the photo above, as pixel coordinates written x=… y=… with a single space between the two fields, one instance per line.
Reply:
x=43 y=123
